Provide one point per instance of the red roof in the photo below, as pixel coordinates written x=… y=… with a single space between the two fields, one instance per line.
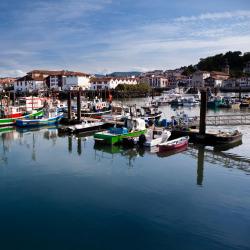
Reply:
x=57 y=73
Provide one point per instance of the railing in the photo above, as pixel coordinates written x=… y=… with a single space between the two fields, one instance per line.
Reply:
x=227 y=120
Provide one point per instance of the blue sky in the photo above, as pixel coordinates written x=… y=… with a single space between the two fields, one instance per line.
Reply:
x=101 y=36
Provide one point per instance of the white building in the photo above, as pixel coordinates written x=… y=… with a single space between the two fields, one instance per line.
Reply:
x=57 y=80
x=29 y=84
x=156 y=81
x=74 y=80
x=110 y=82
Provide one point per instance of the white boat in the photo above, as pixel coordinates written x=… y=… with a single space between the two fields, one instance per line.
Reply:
x=154 y=137
x=189 y=101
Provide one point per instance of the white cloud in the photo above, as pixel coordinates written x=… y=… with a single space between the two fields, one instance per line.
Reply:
x=12 y=73
x=240 y=14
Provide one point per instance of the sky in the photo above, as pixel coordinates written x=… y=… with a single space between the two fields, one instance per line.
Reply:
x=102 y=36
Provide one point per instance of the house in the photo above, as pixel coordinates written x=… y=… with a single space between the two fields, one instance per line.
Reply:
x=74 y=80
x=156 y=81
x=198 y=78
x=102 y=83
x=37 y=80
x=29 y=83
x=6 y=83
x=246 y=70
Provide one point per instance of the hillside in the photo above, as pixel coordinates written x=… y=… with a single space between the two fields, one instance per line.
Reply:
x=236 y=60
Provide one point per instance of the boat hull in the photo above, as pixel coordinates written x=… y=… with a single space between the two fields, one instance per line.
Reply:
x=108 y=138
x=12 y=121
x=173 y=146
x=38 y=122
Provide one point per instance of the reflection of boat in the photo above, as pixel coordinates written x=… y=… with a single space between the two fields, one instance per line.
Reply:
x=171 y=152
x=226 y=147
x=53 y=119
x=174 y=144
x=111 y=149
x=6 y=129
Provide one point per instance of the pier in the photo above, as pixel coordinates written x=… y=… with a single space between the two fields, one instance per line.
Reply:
x=225 y=120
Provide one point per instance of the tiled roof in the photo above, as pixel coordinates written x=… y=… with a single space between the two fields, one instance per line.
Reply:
x=57 y=73
x=30 y=78
x=219 y=73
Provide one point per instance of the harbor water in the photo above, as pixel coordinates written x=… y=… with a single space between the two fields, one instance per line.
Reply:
x=65 y=192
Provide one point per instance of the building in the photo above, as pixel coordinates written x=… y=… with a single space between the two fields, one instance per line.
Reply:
x=39 y=80
x=198 y=78
x=29 y=84
x=7 y=83
x=246 y=70
x=103 y=83
x=74 y=80
x=156 y=81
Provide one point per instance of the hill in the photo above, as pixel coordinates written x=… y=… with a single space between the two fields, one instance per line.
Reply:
x=236 y=60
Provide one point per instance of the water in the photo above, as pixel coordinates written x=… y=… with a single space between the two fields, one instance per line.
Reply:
x=66 y=193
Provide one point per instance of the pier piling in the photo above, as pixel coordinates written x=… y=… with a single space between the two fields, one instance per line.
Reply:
x=203 y=110
x=79 y=106
x=69 y=105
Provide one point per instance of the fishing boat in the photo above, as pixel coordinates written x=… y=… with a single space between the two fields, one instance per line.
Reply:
x=12 y=121
x=50 y=119
x=96 y=108
x=134 y=127
x=149 y=113
x=156 y=137
x=168 y=153
x=85 y=126
x=214 y=102
x=174 y=144
x=189 y=101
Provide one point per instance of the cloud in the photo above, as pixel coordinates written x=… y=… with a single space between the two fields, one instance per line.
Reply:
x=12 y=73
x=74 y=39
x=240 y=14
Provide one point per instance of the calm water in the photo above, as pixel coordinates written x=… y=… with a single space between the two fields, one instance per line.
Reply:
x=66 y=193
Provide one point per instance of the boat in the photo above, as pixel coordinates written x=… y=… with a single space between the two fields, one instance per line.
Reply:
x=176 y=102
x=155 y=137
x=96 y=108
x=85 y=126
x=174 y=144
x=134 y=127
x=214 y=102
x=12 y=121
x=168 y=153
x=149 y=113
x=50 y=119
x=189 y=101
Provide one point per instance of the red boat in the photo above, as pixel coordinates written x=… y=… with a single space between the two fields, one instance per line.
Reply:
x=178 y=143
x=13 y=112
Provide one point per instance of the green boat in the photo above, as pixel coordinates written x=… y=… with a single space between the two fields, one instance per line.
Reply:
x=134 y=128
x=12 y=121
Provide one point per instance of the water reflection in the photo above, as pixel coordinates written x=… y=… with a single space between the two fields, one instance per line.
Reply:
x=31 y=139
x=27 y=138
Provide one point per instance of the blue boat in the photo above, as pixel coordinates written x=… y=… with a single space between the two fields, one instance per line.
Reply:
x=45 y=121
